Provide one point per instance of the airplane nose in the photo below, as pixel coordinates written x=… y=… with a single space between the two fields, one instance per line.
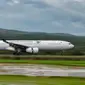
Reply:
x=71 y=46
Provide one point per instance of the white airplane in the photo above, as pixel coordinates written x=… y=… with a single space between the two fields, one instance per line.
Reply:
x=34 y=46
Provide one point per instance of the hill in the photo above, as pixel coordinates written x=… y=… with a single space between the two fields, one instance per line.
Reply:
x=14 y=34
x=78 y=41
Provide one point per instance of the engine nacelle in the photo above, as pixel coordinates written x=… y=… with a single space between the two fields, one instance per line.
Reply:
x=32 y=50
x=10 y=48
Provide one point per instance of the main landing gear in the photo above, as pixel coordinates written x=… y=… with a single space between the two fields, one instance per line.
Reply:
x=17 y=52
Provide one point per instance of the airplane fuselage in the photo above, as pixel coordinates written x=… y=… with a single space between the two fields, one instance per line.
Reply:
x=41 y=44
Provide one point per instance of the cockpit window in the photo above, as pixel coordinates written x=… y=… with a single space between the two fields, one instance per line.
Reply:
x=69 y=43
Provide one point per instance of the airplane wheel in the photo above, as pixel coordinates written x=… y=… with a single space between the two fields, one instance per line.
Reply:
x=16 y=53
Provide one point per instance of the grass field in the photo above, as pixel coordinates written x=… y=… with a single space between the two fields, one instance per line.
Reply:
x=46 y=56
x=43 y=57
x=47 y=62
x=23 y=80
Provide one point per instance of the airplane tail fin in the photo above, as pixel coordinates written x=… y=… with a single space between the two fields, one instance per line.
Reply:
x=5 y=41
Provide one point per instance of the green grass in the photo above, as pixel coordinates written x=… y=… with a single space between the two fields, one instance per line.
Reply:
x=23 y=80
x=41 y=56
x=47 y=56
x=47 y=62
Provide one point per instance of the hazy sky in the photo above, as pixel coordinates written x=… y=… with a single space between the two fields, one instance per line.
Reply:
x=65 y=16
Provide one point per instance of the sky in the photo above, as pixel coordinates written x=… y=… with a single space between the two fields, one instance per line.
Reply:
x=58 y=16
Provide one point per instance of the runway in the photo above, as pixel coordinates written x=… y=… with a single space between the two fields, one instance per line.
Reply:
x=42 y=57
x=40 y=70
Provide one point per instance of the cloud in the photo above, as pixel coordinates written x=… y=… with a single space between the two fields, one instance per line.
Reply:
x=43 y=15
x=13 y=2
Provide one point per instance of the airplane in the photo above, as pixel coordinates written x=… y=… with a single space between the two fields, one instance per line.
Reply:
x=34 y=46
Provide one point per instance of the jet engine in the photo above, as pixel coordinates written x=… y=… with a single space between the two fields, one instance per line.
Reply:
x=10 y=48
x=32 y=50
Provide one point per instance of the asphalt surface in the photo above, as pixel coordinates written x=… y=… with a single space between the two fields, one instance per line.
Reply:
x=40 y=70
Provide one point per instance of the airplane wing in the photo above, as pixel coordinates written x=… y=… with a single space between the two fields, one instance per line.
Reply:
x=16 y=46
